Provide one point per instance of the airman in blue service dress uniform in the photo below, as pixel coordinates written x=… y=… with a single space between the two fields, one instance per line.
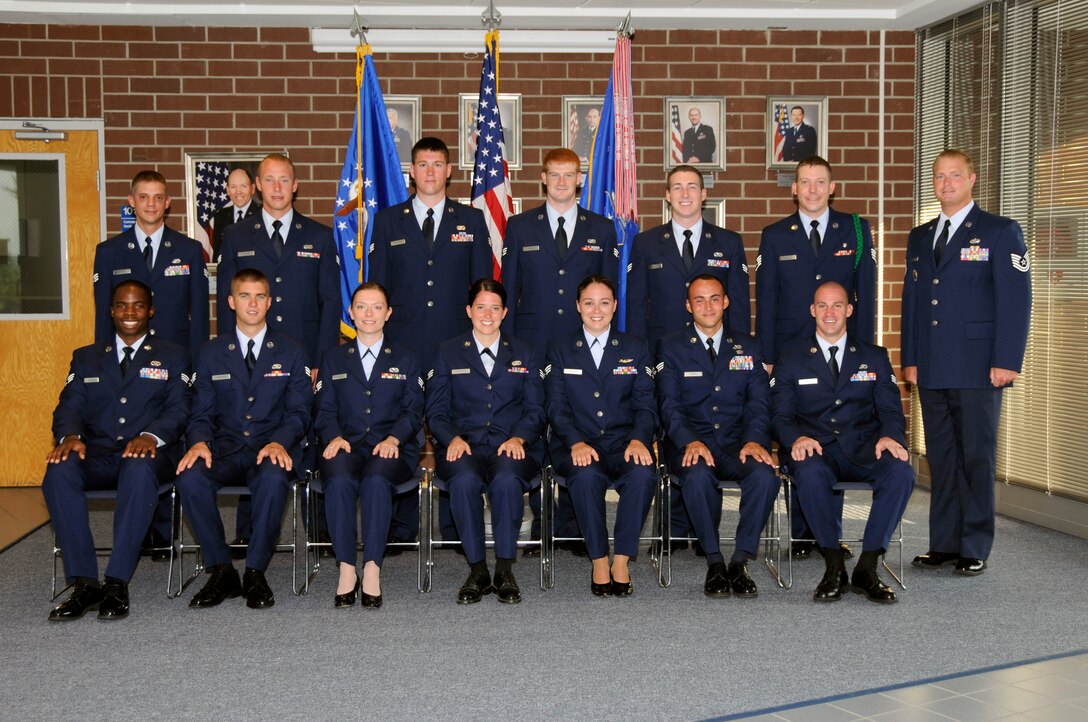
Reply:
x=242 y=205
x=661 y=270
x=966 y=309
x=369 y=420
x=252 y=396
x=599 y=395
x=800 y=139
x=792 y=262
x=699 y=142
x=715 y=410
x=838 y=414
x=485 y=407
x=118 y=423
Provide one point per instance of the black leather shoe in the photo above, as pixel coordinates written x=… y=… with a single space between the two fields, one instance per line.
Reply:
x=325 y=552
x=506 y=588
x=622 y=589
x=847 y=553
x=159 y=549
x=83 y=599
x=740 y=581
x=238 y=547
x=717 y=580
x=531 y=551
x=600 y=590
x=969 y=567
x=222 y=584
x=370 y=601
x=347 y=599
x=802 y=549
x=475 y=587
x=392 y=551
x=258 y=593
x=934 y=560
x=114 y=601
x=869 y=584
x=835 y=580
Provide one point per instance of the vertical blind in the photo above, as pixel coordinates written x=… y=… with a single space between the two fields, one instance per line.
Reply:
x=1008 y=84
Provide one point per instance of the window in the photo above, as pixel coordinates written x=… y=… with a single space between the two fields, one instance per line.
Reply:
x=33 y=244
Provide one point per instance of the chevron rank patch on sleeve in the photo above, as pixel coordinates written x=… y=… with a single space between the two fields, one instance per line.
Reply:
x=1021 y=263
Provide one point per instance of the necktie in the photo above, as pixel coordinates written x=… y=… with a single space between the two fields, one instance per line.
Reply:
x=488 y=359
x=277 y=239
x=126 y=361
x=689 y=251
x=240 y=216
x=428 y=230
x=561 y=238
x=710 y=350
x=148 y=258
x=815 y=237
x=942 y=241
x=833 y=363
x=251 y=360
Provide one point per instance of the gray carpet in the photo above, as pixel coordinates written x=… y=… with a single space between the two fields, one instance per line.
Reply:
x=562 y=654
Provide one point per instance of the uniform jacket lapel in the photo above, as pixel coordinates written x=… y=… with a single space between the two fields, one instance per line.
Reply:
x=670 y=252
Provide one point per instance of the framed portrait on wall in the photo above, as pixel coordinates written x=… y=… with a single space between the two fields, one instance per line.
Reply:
x=713 y=211
x=206 y=174
x=510 y=115
x=695 y=132
x=796 y=129
x=404 y=113
x=581 y=115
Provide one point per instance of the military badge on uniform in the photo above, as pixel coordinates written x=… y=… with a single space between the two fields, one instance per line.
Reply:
x=1021 y=263
x=461 y=238
x=625 y=371
x=156 y=374
x=394 y=376
x=279 y=373
x=518 y=370
x=975 y=253
x=588 y=247
x=178 y=270
x=741 y=363
x=307 y=254
x=717 y=263
x=863 y=376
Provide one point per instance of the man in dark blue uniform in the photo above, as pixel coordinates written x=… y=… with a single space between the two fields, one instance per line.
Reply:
x=715 y=409
x=242 y=205
x=599 y=396
x=966 y=310
x=251 y=411
x=800 y=140
x=118 y=424
x=838 y=414
x=798 y=253
x=699 y=143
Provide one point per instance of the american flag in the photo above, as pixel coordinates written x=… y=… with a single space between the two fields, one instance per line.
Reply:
x=490 y=176
x=677 y=136
x=211 y=195
x=782 y=124
x=573 y=125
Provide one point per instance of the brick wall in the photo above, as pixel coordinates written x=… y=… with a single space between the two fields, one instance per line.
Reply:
x=166 y=90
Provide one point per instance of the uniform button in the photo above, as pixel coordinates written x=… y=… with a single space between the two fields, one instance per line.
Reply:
x=430 y=283
x=933 y=323
x=934 y=302
x=713 y=408
x=717 y=426
x=430 y=262
x=124 y=400
x=819 y=276
x=489 y=387
x=366 y=411
x=368 y=393
x=834 y=420
x=367 y=429
x=249 y=417
x=245 y=433
x=279 y=279
x=560 y=312
x=602 y=433
x=838 y=402
x=936 y=281
x=430 y=304
x=279 y=299
x=561 y=291
x=687 y=284
x=489 y=406
x=836 y=432
x=121 y=420
x=120 y=438
x=279 y=319
x=596 y=394
x=249 y=399
x=717 y=388
x=488 y=423
x=599 y=414
x=562 y=272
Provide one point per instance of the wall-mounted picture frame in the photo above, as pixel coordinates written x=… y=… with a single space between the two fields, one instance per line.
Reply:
x=509 y=113
x=713 y=211
x=796 y=129
x=206 y=174
x=581 y=116
x=516 y=201
x=695 y=132
x=405 y=116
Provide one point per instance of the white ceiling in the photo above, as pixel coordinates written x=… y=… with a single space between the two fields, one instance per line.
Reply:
x=516 y=14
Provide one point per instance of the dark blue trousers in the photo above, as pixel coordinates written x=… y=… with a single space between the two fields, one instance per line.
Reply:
x=137 y=482
x=961 y=446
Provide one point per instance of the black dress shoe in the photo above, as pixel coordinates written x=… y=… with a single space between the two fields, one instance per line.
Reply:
x=347 y=599
x=534 y=550
x=370 y=601
x=506 y=588
x=865 y=581
x=802 y=549
x=83 y=599
x=238 y=547
x=622 y=589
x=969 y=567
x=222 y=584
x=600 y=590
x=475 y=587
x=114 y=600
x=740 y=581
x=677 y=546
x=847 y=553
x=258 y=593
x=392 y=551
x=934 y=560
x=577 y=548
x=717 y=580
x=325 y=552
x=835 y=580
x=159 y=547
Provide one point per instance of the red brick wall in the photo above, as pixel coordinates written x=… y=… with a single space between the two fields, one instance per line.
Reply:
x=165 y=90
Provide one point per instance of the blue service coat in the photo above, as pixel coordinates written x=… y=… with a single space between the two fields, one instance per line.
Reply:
x=788 y=273
x=543 y=288
x=485 y=411
x=179 y=282
x=725 y=405
x=605 y=407
x=365 y=411
x=657 y=284
x=429 y=291
x=855 y=412
x=304 y=281
x=799 y=143
x=972 y=312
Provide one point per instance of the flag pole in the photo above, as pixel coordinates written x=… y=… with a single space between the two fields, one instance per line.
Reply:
x=362 y=49
x=491 y=20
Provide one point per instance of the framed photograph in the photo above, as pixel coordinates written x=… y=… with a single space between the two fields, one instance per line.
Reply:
x=695 y=132
x=517 y=203
x=404 y=113
x=581 y=115
x=713 y=211
x=206 y=175
x=796 y=129
x=509 y=113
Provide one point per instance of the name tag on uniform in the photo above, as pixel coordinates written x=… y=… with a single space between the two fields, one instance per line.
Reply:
x=717 y=263
x=307 y=254
x=573 y=372
x=246 y=253
x=791 y=257
x=91 y=380
x=527 y=249
x=863 y=376
x=339 y=377
x=398 y=242
x=461 y=238
x=693 y=374
x=974 y=253
x=176 y=271
x=807 y=382
x=458 y=372
x=122 y=271
x=741 y=363
x=656 y=266
x=220 y=377
x=157 y=374
x=625 y=371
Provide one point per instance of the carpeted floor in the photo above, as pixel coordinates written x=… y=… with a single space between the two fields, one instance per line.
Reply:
x=563 y=654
